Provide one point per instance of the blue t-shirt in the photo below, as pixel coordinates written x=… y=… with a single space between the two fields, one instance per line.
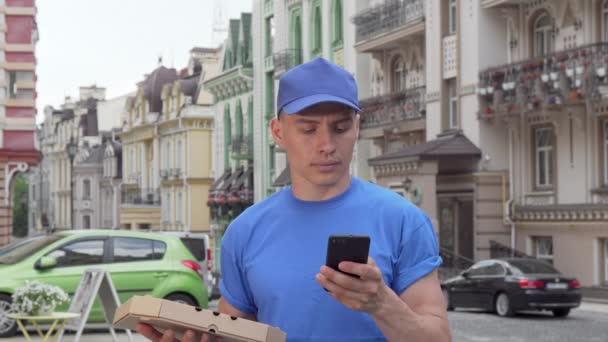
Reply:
x=273 y=250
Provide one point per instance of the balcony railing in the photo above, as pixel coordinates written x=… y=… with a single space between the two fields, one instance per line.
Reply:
x=388 y=109
x=242 y=147
x=141 y=197
x=387 y=17
x=564 y=77
x=286 y=59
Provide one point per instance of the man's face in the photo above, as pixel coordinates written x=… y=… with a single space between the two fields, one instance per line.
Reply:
x=319 y=142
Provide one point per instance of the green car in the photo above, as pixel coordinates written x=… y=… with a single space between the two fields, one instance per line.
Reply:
x=139 y=263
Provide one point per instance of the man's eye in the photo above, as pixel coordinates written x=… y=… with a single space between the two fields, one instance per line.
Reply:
x=341 y=129
x=308 y=130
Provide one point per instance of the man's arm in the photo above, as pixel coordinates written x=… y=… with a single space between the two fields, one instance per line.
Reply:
x=225 y=308
x=418 y=314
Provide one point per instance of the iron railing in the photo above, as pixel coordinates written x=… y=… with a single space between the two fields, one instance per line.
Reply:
x=141 y=197
x=286 y=59
x=386 y=17
x=567 y=76
x=498 y=250
x=453 y=264
x=388 y=109
x=242 y=146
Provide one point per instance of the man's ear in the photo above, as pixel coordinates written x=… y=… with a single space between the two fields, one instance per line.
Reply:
x=277 y=131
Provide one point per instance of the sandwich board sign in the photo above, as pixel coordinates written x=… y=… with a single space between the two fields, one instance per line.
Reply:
x=94 y=283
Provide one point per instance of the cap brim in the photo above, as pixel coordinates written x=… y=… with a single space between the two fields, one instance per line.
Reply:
x=300 y=104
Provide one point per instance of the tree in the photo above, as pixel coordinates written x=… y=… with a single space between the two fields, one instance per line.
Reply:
x=20 y=207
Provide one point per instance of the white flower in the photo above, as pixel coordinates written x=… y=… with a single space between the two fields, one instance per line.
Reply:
x=34 y=297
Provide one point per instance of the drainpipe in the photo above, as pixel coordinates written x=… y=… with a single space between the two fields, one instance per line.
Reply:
x=509 y=203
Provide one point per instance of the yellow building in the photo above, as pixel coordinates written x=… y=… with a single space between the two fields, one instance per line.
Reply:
x=166 y=138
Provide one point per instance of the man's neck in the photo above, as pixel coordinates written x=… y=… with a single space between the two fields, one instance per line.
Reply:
x=304 y=190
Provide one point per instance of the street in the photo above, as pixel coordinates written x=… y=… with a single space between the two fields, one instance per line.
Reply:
x=586 y=324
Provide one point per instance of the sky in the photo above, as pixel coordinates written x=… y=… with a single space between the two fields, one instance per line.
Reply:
x=113 y=43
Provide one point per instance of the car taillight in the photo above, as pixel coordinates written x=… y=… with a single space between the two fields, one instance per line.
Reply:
x=209 y=260
x=193 y=265
x=531 y=284
x=574 y=284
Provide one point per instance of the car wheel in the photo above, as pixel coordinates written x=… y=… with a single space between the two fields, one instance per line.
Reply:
x=181 y=298
x=502 y=305
x=446 y=296
x=8 y=326
x=561 y=312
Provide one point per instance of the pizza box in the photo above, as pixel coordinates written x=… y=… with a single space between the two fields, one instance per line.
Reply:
x=164 y=314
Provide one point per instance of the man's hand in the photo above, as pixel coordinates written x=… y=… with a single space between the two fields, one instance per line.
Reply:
x=361 y=294
x=169 y=335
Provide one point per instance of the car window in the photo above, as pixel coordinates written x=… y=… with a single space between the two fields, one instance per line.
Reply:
x=479 y=271
x=196 y=247
x=83 y=252
x=532 y=266
x=135 y=249
x=495 y=269
x=17 y=253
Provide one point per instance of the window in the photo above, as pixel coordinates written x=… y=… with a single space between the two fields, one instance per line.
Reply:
x=87 y=252
x=167 y=155
x=227 y=135
x=496 y=270
x=34 y=191
x=86 y=189
x=133 y=249
x=605 y=20
x=316 y=36
x=479 y=270
x=12 y=84
x=452 y=17
x=180 y=208
x=544 y=248
x=544 y=157
x=399 y=75
x=543 y=42
x=178 y=155
x=453 y=104
x=269 y=36
x=606 y=262
x=86 y=222
x=337 y=24
x=605 y=152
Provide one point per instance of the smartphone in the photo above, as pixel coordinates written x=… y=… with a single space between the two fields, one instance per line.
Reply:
x=353 y=248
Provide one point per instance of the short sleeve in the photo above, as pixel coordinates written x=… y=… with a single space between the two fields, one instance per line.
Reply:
x=233 y=283
x=418 y=252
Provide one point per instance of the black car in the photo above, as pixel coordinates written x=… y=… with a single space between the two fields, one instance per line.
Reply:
x=506 y=286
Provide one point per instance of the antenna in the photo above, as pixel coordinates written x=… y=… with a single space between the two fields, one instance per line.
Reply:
x=220 y=28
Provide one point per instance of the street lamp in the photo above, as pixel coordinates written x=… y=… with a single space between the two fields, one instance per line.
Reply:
x=71 y=149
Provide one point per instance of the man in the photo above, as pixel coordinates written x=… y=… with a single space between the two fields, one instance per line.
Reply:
x=272 y=254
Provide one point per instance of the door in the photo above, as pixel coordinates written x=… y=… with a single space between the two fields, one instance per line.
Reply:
x=446 y=228
x=489 y=283
x=465 y=227
x=137 y=268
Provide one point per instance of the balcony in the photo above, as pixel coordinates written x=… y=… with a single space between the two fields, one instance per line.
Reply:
x=568 y=77
x=499 y=3
x=387 y=25
x=405 y=109
x=141 y=197
x=285 y=60
x=176 y=173
x=164 y=174
x=242 y=147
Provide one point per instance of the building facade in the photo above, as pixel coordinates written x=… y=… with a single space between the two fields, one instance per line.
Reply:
x=232 y=89
x=17 y=100
x=66 y=131
x=111 y=182
x=544 y=85
x=88 y=171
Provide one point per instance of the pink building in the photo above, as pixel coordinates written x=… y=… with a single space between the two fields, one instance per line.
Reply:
x=17 y=100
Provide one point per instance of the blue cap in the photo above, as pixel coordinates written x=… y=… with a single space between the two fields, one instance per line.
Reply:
x=315 y=82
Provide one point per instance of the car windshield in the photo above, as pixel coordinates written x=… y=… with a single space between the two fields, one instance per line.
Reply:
x=17 y=244
x=532 y=267
x=20 y=250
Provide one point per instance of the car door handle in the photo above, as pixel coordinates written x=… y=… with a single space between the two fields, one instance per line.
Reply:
x=160 y=274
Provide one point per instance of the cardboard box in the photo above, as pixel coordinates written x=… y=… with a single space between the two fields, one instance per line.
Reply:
x=164 y=314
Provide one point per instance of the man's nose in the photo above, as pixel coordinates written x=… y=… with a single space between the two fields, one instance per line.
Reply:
x=326 y=140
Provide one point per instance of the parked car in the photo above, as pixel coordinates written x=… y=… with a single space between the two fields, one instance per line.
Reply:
x=139 y=263
x=506 y=286
x=199 y=245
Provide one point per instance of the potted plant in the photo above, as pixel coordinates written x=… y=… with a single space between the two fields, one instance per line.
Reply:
x=37 y=299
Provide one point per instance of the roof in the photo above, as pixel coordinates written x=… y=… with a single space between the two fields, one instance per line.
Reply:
x=153 y=85
x=451 y=144
x=204 y=49
x=95 y=155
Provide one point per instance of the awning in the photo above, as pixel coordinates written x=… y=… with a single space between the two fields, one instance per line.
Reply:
x=218 y=182
x=246 y=178
x=450 y=145
x=227 y=185
x=284 y=179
